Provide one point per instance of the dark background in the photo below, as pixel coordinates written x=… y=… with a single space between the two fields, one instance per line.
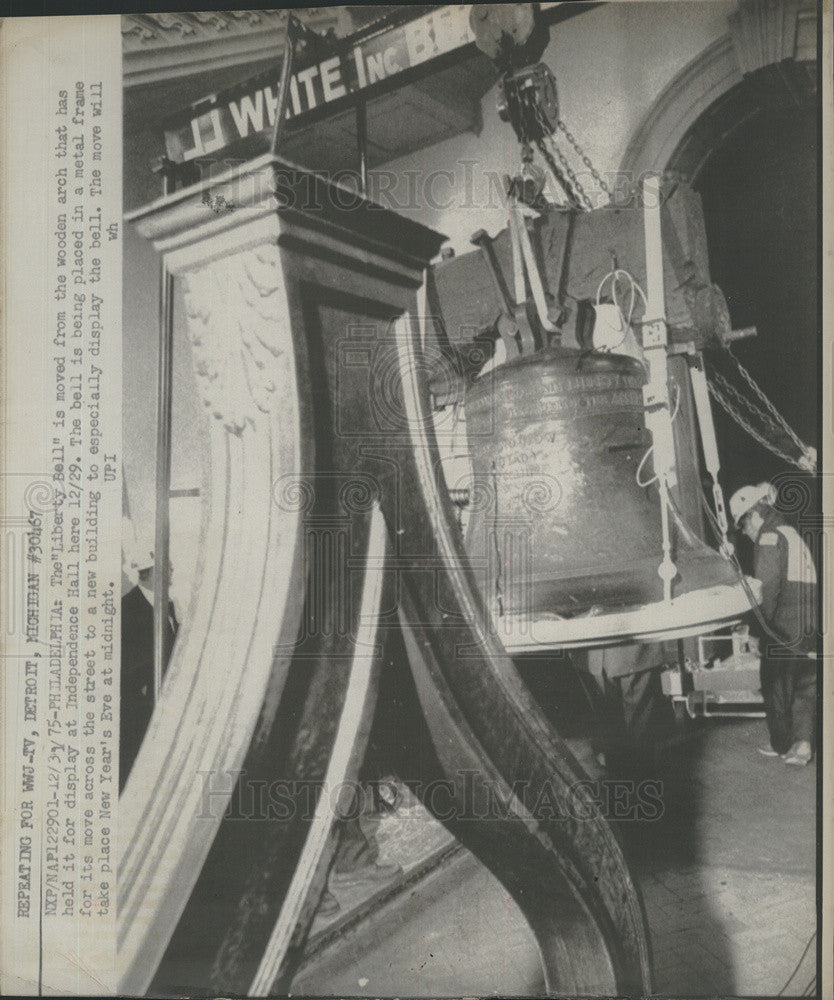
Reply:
x=760 y=202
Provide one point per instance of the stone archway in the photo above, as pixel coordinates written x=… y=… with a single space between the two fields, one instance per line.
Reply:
x=767 y=56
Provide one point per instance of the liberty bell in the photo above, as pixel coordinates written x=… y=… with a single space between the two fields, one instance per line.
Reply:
x=567 y=519
x=560 y=517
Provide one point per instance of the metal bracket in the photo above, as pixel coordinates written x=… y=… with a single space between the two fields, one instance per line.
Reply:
x=655 y=334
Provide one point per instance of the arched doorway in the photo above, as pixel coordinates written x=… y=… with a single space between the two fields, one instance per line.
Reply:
x=758 y=181
x=753 y=157
x=745 y=132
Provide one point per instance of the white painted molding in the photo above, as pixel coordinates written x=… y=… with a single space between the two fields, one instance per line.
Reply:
x=681 y=103
x=245 y=604
x=759 y=35
x=161 y=47
x=763 y=32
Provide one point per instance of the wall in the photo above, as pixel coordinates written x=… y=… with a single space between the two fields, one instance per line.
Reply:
x=610 y=64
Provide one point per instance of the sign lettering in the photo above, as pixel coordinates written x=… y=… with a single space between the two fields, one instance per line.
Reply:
x=250 y=109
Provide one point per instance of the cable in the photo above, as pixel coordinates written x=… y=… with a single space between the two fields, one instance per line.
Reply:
x=798 y=964
x=634 y=287
x=650 y=449
x=615 y=275
x=648 y=482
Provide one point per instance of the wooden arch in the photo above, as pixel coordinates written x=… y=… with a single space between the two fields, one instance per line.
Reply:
x=330 y=554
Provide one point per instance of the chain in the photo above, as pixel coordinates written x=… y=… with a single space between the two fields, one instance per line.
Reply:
x=780 y=420
x=740 y=420
x=573 y=189
x=575 y=182
x=777 y=416
x=733 y=393
x=775 y=422
x=580 y=152
x=731 y=410
x=557 y=173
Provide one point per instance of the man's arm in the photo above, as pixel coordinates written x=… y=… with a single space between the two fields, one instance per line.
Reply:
x=768 y=568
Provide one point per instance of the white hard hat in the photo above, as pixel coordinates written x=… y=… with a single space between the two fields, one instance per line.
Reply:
x=747 y=497
x=138 y=554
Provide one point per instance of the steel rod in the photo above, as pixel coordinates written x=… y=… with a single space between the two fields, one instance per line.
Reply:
x=163 y=474
x=284 y=84
x=362 y=145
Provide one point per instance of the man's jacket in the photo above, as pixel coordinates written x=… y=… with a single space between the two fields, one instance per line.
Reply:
x=783 y=563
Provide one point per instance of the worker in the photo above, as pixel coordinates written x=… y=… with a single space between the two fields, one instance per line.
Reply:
x=137 y=693
x=633 y=718
x=783 y=564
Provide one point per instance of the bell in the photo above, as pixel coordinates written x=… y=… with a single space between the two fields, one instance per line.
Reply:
x=561 y=524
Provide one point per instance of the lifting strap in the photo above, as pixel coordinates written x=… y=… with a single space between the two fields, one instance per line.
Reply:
x=524 y=259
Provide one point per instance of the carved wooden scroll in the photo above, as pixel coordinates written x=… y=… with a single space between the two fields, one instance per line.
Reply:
x=330 y=553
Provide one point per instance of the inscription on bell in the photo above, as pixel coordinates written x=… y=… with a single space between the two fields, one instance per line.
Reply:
x=572 y=384
x=582 y=404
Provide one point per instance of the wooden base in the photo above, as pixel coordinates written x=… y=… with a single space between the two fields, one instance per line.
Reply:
x=327 y=543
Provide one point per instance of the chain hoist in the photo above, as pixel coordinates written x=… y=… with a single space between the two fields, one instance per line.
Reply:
x=529 y=102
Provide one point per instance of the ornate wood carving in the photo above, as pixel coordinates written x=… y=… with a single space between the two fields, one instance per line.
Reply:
x=164 y=45
x=234 y=309
x=244 y=602
x=763 y=32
